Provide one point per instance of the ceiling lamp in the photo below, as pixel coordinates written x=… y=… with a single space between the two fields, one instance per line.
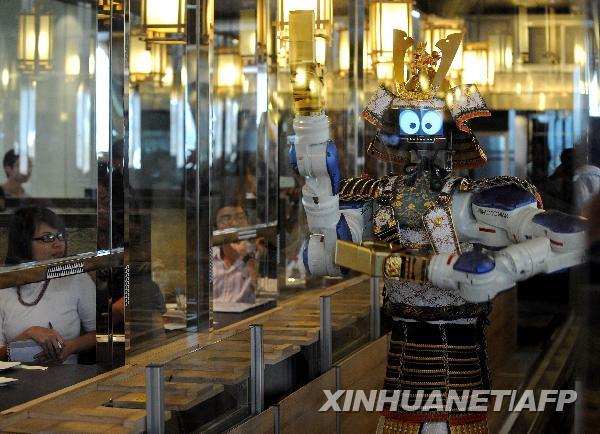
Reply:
x=247 y=36
x=435 y=29
x=163 y=21
x=147 y=62
x=229 y=71
x=105 y=6
x=344 y=52
x=34 y=50
x=478 y=68
x=384 y=17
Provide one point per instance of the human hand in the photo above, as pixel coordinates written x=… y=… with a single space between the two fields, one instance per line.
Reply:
x=261 y=247
x=45 y=358
x=49 y=339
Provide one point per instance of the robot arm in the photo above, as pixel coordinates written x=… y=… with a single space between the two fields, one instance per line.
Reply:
x=532 y=241
x=314 y=157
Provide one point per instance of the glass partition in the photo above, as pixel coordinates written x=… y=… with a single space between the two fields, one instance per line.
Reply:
x=350 y=319
x=47 y=122
x=208 y=389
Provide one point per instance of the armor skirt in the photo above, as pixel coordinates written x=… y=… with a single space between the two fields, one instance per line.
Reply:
x=426 y=358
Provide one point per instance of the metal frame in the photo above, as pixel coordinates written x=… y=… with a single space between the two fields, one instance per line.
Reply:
x=325 y=338
x=155 y=398
x=257 y=369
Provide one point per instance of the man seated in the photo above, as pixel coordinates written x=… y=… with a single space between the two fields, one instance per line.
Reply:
x=235 y=264
x=16 y=175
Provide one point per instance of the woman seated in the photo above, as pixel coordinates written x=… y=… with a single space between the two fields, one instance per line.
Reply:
x=53 y=312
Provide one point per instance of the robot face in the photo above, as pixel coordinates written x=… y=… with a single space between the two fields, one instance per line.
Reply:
x=421 y=124
x=410 y=128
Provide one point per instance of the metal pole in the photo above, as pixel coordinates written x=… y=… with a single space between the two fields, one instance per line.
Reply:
x=155 y=398
x=257 y=369
x=325 y=344
x=375 y=314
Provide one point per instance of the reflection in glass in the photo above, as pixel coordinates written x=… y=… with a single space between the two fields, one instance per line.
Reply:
x=47 y=115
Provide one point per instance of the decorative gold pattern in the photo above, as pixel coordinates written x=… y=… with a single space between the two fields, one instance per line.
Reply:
x=479 y=427
x=406 y=267
x=482 y=184
x=359 y=189
x=394 y=426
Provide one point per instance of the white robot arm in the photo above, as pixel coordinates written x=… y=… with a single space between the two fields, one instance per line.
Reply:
x=314 y=156
x=544 y=242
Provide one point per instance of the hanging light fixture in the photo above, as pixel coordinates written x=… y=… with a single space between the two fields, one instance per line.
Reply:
x=384 y=17
x=34 y=50
x=323 y=10
x=147 y=62
x=478 y=68
x=229 y=71
x=344 y=52
x=105 y=6
x=436 y=28
x=163 y=21
x=247 y=37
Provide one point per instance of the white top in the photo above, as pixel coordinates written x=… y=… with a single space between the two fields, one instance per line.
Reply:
x=234 y=283
x=69 y=303
x=587 y=184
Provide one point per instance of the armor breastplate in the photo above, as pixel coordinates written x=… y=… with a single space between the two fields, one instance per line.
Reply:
x=408 y=213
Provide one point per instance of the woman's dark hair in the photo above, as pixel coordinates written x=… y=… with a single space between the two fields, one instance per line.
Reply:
x=21 y=229
x=10 y=158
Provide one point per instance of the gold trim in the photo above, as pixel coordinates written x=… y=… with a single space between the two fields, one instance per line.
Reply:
x=412 y=344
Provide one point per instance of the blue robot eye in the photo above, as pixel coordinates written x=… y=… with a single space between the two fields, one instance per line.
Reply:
x=432 y=122
x=409 y=122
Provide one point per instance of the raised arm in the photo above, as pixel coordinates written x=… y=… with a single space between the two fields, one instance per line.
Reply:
x=314 y=155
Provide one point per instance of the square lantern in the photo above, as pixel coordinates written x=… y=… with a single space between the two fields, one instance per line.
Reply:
x=163 y=21
x=147 y=62
x=105 y=6
x=34 y=50
x=229 y=71
x=384 y=17
x=478 y=69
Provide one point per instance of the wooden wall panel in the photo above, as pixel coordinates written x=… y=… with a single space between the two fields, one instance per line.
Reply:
x=363 y=370
x=263 y=423
x=299 y=412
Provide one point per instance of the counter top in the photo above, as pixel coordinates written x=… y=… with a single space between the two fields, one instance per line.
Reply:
x=33 y=384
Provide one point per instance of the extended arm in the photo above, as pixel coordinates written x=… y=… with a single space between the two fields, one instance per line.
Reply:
x=530 y=241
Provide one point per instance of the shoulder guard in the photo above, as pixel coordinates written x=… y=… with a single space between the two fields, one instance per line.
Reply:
x=360 y=189
x=480 y=185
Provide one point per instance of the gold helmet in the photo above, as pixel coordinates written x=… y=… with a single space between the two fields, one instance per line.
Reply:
x=415 y=116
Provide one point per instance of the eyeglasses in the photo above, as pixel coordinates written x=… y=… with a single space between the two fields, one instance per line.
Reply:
x=50 y=238
x=238 y=217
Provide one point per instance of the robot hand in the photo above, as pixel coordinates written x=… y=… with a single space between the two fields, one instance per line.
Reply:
x=480 y=276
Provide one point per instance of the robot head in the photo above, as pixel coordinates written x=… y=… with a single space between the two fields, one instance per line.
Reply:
x=414 y=128
x=424 y=115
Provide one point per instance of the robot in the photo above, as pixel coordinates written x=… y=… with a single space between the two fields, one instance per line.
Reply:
x=445 y=245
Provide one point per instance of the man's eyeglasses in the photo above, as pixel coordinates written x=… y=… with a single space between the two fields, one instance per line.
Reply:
x=50 y=238
x=237 y=218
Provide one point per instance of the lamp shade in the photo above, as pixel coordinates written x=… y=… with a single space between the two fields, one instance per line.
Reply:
x=147 y=62
x=384 y=17
x=229 y=71
x=163 y=21
x=344 y=51
x=34 y=51
x=477 y=66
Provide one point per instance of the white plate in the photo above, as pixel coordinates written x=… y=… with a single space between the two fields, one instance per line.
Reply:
x=5 y=380
x=8 y=365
